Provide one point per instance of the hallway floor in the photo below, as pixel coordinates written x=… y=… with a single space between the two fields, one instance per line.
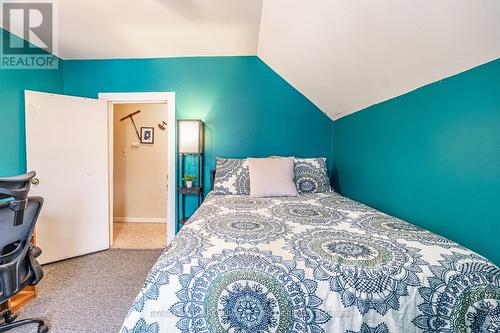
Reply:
x=139 y=235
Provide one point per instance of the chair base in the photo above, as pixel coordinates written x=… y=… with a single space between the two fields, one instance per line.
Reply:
x=10 y=322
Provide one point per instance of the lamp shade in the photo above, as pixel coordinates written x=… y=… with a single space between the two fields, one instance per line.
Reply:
x=190 y=136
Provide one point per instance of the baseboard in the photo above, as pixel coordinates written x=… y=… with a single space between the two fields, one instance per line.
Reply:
x=140 y=219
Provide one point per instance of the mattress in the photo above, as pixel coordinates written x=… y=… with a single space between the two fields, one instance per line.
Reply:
x=313 y=263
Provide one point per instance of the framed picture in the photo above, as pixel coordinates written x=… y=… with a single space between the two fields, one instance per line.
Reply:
x=147 y=135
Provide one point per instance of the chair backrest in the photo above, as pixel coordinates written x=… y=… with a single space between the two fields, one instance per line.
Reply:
x=13 y=208
x=18 y=217
x=14 y=193
x=11 y=235
x=16 y=186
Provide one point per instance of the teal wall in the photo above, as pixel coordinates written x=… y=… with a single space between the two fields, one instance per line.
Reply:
x=431 y=157
x=248 y=109
x=12 y=133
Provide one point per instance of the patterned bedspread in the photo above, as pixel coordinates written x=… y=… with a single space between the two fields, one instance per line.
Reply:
x=315 y=263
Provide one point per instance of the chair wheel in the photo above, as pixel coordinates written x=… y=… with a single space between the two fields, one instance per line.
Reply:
x=43 y=328
x=10 y=317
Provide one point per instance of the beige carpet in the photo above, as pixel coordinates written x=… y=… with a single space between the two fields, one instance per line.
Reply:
x=89 y=294
x=139 y=235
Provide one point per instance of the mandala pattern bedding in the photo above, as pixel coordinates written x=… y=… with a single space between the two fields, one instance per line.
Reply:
x=314 y=263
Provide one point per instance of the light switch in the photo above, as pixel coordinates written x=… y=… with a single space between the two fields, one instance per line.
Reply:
x=124 y=152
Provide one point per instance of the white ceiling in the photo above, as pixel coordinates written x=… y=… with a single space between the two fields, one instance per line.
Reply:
x=343 y=55
x=346 y=55
x=97 y=29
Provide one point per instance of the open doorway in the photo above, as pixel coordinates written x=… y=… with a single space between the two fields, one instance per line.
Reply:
x=140 y=175
x=167 y=99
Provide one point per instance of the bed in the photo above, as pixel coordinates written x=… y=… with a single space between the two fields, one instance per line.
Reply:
x=314 y=263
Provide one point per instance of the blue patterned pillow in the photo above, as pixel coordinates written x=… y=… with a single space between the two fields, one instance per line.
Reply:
x=232 y=176
x=311 y=175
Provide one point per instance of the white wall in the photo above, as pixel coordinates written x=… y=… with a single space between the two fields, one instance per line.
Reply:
x=140 y=175
x=346 y=55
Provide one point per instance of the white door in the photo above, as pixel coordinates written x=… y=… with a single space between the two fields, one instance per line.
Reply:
x=67 y=146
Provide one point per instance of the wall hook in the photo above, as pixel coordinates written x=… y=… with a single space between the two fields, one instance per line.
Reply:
x=163 y=125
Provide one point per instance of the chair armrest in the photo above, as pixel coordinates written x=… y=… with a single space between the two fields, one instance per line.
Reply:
x=18 y=179
x=9 y=274
x=35 y=266
x=35 y=251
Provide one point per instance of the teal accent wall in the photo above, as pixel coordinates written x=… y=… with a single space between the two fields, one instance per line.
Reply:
x=431 y=156
x=13 y=82
x=247 y=108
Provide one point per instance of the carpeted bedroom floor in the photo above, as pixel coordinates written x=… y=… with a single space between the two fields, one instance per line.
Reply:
x=89 y=294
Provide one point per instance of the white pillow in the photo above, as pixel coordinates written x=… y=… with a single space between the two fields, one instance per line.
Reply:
x=272 y=177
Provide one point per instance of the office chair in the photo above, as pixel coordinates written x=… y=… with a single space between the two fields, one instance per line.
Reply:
x=18 y=265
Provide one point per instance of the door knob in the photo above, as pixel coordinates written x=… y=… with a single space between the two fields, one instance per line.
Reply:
x=35 y=181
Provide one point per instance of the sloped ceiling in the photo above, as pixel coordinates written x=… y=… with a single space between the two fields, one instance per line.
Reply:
x=347 y=55
x=343 y=55
x=101 y=29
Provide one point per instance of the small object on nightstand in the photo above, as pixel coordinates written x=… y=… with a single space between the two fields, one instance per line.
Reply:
x=189 y=180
